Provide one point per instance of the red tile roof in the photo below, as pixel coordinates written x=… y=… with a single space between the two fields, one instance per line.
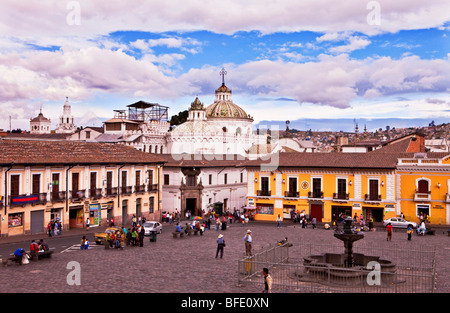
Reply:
x=71 y=152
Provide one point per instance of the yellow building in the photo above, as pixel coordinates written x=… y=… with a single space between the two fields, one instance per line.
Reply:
x=398 y=179
x=323 y=185
x=424 y=186
x=71 y=182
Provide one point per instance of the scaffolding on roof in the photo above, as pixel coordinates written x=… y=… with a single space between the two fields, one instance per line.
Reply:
x=144 y=112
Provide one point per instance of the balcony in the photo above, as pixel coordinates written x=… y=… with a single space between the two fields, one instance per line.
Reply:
x=422 y=196
x=338 y=196
x=111 y=192
x=139 y=189
x=58 y=196
x=126 y=190
x=95 y=193
x=77 y=195
x=372 y=198
x=39 y=198
x=263 y=193
x=153 y=188
x=315 y=195
x=291 y=194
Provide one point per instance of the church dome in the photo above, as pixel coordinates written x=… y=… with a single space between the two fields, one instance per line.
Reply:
x=224 y=107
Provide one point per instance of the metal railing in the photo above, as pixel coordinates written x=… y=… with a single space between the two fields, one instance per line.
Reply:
x=414 y=270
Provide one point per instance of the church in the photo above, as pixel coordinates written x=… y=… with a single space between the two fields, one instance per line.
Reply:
x=222 y=127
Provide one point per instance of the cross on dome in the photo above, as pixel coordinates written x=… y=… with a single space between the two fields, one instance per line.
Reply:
x=222 y=73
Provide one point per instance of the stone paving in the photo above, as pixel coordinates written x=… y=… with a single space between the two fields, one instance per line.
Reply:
x=186 y=265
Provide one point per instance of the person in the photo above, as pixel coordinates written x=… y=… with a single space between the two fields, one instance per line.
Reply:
x=267 y=281
x=83 y=243
x=279 y=221
x=118 y=239
x=49 y=229
x=248 y=243
x=34 y=248
x=220 y=245
x=389 y=232
x=141 y=236
x=422 y=229
x=198 y=228
x=313 y=222
x=178 y=228
x=18 y=255
x=128 y=236
x=43 y=246
x=59 y=227
x=409 y=232
x=87 y=223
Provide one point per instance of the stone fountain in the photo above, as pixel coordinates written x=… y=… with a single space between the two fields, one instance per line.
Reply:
x=348 y=237
x=348 y=268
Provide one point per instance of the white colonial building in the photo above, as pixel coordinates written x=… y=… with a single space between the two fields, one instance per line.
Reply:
x=220 y=128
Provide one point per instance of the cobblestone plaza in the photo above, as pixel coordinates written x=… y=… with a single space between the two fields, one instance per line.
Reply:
x=188 y=265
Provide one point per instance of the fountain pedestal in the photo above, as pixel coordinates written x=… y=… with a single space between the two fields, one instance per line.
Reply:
x=348 y=237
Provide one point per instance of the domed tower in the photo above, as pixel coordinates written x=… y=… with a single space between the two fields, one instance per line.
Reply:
x=197 y=112
x=40 y=124
x=223 y=106
x=66 y=120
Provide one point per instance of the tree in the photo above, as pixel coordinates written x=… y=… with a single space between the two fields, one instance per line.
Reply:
x=180 y=118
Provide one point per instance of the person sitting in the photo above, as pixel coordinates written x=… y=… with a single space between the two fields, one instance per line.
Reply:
x=178 y=228
x=34 y=248
x=188 y=228
x=43 y=246
x=422 y=229
x=198 y=228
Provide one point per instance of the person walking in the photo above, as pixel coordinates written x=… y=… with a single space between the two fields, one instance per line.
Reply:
x=389 y=232
x=88 y=222
x=248 y=239
x=83 y=243
x=267 y=281
x=409 y=231
x=220 y=245
x=314 y=222
x=279 y=221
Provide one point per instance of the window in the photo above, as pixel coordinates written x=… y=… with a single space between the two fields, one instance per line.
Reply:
x=151 y=204
x=36 y=184
x=422 y=186
x=225 y=179
x=341 y=187
x=242 y=177
x=210 y=179
x=191 y=180
x=166 y=179
x=88 y=135
x=15 y=220
x=15 y=185
x=150 y=177
x=317 y=187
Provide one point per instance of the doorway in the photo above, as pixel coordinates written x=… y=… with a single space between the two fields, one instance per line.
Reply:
x=316 y=211
x=191 y=205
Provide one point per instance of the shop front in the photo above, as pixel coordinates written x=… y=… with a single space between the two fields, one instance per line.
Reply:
x=95 y=214
x=76 y=216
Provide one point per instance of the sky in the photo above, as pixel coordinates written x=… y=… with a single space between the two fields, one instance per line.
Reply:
x=352 y=60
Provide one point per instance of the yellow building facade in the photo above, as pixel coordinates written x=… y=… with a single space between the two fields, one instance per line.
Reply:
x=376 y=186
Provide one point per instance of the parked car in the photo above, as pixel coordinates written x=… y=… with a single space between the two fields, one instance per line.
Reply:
x=100 y=238
x=150 y=226
x=399 y=222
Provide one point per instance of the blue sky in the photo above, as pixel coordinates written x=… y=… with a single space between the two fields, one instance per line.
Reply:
x=284 y=60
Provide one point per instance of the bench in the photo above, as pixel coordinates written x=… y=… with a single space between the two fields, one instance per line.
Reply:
x=195 y=232
x=40 y=255
x=178 y=233
x=189 y=232
x=5 y=261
